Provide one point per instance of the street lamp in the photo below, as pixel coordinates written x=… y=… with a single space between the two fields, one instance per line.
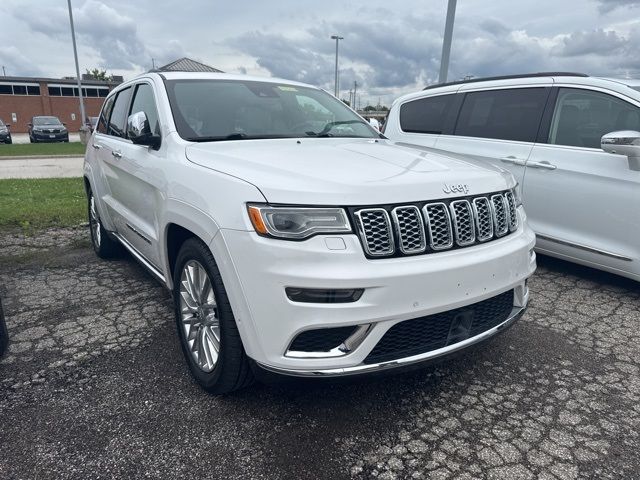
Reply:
x=337 y=86
x=75 y=56
x=446 y=41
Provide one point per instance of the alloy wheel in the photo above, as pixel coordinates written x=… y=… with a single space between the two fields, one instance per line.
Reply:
x=199 y=315
x=94 y=221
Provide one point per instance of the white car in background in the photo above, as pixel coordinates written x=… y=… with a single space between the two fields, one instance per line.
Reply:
x=572 y=142
x=295 y=238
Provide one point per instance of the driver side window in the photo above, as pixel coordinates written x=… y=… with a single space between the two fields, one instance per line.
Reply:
x=582 y=117
x=143 y=101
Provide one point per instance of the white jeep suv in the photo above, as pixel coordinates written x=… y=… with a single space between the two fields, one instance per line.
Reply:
x=572 y=142
x=294 y=237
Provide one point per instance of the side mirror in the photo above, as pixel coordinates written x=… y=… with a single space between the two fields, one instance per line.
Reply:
x=64 y=124
x=30 y=124
x=8 y=125
x=139 y=132
x=624 y=142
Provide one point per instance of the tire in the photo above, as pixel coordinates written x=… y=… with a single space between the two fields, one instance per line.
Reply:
x=208 y=321
x=104 y=246
x=31 y=140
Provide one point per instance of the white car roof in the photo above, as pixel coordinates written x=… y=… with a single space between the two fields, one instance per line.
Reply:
x=228 y=76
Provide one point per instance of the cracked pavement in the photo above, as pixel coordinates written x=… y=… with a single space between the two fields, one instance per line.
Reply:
x=94 y=386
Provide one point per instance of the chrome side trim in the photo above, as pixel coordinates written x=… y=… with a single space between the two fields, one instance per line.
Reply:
x=515 y=314
x=586 y=248
x=138 y=256
x=137 y=232
x=350 y=344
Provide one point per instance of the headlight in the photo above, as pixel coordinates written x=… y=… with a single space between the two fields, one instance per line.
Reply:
x=297 y=223
x=517 y=195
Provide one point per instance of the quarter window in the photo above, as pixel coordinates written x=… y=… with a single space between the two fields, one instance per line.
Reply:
x=425 y=115
x=511 y=114
x=582 y=117
x=118 y=118
x=143 y=101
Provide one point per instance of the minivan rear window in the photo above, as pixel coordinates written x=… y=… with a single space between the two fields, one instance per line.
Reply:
x=425 y=115
x=509 y=114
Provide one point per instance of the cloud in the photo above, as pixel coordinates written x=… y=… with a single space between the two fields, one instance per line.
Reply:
x=595 y=42
x=16 y=64
x=608 y=5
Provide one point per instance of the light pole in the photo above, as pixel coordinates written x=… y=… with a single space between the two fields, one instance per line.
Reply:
x=75 y=56
x=337 y=85
x=446 y=42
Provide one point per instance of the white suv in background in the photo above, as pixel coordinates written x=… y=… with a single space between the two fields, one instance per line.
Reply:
x=572 y=142
x=293 y=236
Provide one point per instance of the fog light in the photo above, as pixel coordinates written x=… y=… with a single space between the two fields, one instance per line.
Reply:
x=318 y=295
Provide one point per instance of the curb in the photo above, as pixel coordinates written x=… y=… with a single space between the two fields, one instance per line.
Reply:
x=37 y=157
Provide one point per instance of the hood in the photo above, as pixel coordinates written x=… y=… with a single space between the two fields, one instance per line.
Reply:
x=346 y=171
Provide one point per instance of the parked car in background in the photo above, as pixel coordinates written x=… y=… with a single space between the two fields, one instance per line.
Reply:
x=47 y=129
x=572 y=142
x=5 y=133
x=295 y=238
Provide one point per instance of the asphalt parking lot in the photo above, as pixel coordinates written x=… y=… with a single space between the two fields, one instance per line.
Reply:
x=94 y=386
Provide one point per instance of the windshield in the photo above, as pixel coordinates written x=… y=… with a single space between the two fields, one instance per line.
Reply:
x=211 y=110
x=46 y=121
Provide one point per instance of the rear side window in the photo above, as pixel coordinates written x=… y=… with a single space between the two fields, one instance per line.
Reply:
x=118 y=119
x=425 y=115
x=512 y=114
x=582 y=117
x=104 y=116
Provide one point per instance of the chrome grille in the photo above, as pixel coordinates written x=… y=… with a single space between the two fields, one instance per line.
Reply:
x=439 y=225
x=463 y=224
x=499 y=214
x=410 y=229
x=375 y=230
x=484 y=218
x=430 y=227
x=513 y=213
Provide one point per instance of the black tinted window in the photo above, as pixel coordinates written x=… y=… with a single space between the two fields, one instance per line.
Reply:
x=505 y=114
x=425 y=115
x=104 y=116
x=143 y=101
x=582 y=117
x=118 y=118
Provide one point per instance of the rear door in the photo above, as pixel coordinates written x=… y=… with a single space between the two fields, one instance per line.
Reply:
x=498 y=126
x=581 y=201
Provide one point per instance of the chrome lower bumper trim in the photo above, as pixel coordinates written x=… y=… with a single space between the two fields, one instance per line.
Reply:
x=515 y=314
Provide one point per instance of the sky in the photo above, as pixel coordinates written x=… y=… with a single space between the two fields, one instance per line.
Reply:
x=389 y=48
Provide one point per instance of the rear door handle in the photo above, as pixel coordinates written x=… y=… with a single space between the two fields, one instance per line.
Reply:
x=116 y=154
x=544 y=164
x=513 y=160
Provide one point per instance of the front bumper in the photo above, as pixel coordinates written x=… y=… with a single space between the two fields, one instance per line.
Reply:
x=5 y=137
x=256 y=271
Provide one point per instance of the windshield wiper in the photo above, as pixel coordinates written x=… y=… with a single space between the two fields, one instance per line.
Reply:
x=231 y=136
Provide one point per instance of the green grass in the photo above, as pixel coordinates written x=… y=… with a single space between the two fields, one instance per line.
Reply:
x=24 y=149
x=33 y=204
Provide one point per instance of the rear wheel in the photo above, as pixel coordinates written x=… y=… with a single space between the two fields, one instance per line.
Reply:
x=103 y=244
x=206 y=326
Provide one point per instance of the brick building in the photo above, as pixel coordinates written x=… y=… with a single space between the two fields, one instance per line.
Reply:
x=24 y=97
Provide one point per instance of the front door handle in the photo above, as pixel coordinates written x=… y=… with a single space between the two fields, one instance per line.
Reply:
x=544 y=164
x=116 y=154
x=513 y=160
x=96 y=146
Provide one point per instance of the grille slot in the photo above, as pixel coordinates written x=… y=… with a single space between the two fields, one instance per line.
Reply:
x=500 y=214
x=439 y=225
x=410 y=228
x=484 y=218
x=375 y=230
x=463 y=223
x=513 y=212
x=424 y=334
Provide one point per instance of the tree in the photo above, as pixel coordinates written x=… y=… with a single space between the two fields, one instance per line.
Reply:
x=369 y=108
x=98 y=74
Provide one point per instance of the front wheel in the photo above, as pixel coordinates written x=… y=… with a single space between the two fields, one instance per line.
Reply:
x=206 y=326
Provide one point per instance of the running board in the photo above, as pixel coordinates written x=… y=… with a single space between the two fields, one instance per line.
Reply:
x=584 y=247
x=138 y=256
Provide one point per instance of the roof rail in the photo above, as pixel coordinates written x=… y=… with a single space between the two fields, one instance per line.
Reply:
x=507 y=77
